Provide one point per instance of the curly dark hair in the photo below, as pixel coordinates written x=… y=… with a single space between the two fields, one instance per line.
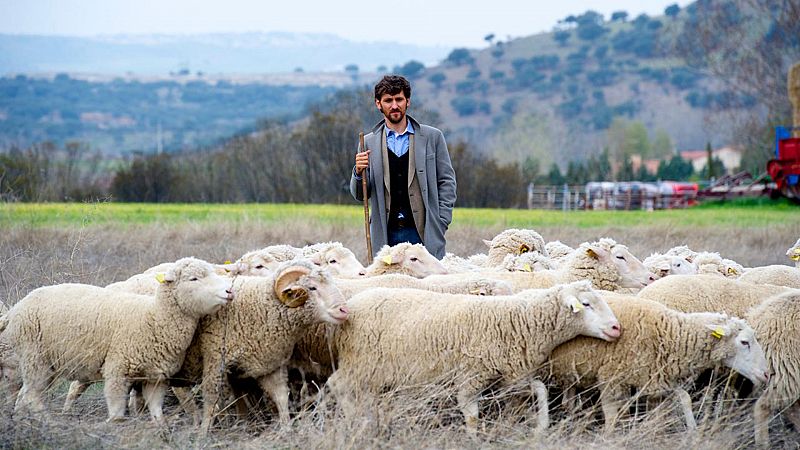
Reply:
x=392 y=85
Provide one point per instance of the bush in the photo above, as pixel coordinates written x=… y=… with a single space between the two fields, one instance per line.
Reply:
x=460 y=56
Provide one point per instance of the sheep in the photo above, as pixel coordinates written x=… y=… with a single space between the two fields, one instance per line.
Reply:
x=777 y=325
x=708 y=262
x=663 y=265
x=338 y=259
x=659 y=350
x=794 y=253
x=86 y=333
x=147 y=283
x=264 y=261
x=397 y=337
x=608 y=265
x=513 y=242
x=254 y=337
x=778 y=275
x=711 y=293
x=405 y=258
x=457 y=264
x=558 y=251
x=527 y=262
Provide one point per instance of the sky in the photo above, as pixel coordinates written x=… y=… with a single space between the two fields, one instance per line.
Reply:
x=451 y=23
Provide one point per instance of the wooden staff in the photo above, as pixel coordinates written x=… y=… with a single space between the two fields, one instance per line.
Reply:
x=363 y=148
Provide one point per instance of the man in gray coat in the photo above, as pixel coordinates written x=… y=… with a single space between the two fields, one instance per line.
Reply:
x=410 y=180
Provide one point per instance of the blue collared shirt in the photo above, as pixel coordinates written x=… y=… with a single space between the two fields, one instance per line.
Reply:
x=398 y=143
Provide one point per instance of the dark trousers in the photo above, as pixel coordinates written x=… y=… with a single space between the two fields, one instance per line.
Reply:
x=397 y=235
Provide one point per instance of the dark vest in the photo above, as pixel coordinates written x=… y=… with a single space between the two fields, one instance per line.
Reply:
x=400 y=214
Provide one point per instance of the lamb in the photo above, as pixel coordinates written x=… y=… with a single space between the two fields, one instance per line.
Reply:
x=254 y=337
x=85 y=333
x=794 y=253
x=709 y=293
x=659 y=351
x=338 y=259
x=777 y=324
x=778 y=275
x=608 y=265
x=663 y=265
x=396 y=337
x=527 y=262
x=558 y=251
x=513 y=242
x=708 y=262
x=405 y=258
x=264 y=261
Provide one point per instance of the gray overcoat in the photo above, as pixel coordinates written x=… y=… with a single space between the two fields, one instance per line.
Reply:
x=433 y=172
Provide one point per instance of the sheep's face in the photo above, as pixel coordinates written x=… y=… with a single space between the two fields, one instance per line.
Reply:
x=311 y=287
x=489 y=287
x=197 y=288
x=742 y=352
x=596 y=317
x=258 y=264
x=413 y=260
x=633 y=274
x=528 y=262
x=794 y=253
x=340 y=262
x=664 y=265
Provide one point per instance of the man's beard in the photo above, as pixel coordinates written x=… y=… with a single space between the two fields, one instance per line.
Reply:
x=389 y=116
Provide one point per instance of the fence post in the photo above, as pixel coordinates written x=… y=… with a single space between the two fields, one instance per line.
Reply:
x=565 y=198
x=530 y=195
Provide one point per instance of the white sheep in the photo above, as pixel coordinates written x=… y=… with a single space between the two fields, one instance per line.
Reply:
x=255 y=335
x=663 y=265
x=777 y=325
x=794 y=253
x=513 y=242
x=708 y=262
x=660 y=349
x=87 y=333
x=558 y=251
x=527 y=262
x=338 y=259
x=778 y=275
x=456 y=264
x=397 y=337
x=405 y=258
x=709 y=293
x=608 y=265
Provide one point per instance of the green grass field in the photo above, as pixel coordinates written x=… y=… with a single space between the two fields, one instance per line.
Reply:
x=730 y=214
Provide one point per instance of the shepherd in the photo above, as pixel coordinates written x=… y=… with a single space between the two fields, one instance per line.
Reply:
x=409 y=172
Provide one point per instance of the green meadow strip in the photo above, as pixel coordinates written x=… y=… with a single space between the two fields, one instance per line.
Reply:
x=122 y=214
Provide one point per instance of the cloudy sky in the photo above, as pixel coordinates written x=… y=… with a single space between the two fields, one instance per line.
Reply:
x=456 y=23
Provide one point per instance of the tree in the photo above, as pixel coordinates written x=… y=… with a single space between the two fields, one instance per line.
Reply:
x=561 y=37
x=661 y=147
x=530 y=169
x=619 y=16
x=677 y=169
x=554 y=176
x=437 y=79
x=672 y=10
x=411 y=69
x=489 y=38
x=460 y=56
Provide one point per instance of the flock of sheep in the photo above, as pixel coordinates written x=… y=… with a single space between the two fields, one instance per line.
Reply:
x=527 y=311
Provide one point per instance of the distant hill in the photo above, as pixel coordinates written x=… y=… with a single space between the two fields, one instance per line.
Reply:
x=207 y=53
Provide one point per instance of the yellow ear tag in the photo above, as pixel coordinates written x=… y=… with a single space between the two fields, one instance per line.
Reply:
x=523 y=249
x=227 y=261
x=731 y=271
x=160 y=278
x=577 y=306
x=387 y=260
x=796 y=256
x=527 y=268
x=718 y=333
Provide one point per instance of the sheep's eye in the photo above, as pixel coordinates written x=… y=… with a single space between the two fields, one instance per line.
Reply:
x=586 y=304
x=482 y=293
x=621 y=257
x=333 y=261
x=260 y=266
x=746 y=344
x=414 y=259
x=678 y=265
x=312 y=288
x=193 y=279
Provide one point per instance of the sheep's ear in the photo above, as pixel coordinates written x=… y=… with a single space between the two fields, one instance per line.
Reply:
x=160 y=278
x=575 y=304
x=596 y=252
x=227 y=268
x=387 y=260
x=170 y=276
x=523 y=249
x=488 y=243
x=732 y=271
x=718 y=331
x=662 y=273
x=287 y=291
x=527 y=268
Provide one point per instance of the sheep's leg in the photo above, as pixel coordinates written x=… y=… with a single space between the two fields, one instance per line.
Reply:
x=569 y=399
x=793 y=414
x=116 y=391
x=685 y=403
x=136 y=401
x=539 y=391
x=153 y=393
x=610 y=404
x=76 y=388
x=275 y=385
x=215 y=388
x=467 y=399
x=186 y=400
x=36 y=376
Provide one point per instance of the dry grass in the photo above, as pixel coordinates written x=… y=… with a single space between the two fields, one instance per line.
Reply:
x=101 y=254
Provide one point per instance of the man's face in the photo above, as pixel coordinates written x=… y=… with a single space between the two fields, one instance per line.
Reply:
x=393 y=107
